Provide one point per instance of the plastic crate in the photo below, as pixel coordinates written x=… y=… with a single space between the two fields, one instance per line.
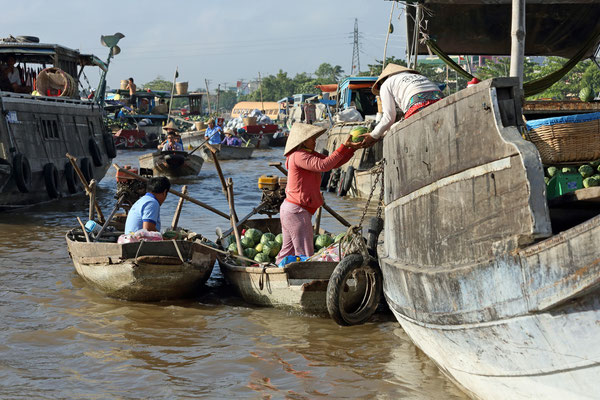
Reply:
x=563 y=183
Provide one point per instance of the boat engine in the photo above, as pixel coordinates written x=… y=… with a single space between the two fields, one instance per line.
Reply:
x=273 y=193
x=130 y=187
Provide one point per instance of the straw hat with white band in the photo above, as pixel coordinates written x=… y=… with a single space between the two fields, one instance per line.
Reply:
x=299 y=134
x=171 y=126
x=389 y=70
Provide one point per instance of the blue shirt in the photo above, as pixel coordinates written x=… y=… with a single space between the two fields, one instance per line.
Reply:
x=146 y=209
x=216 y=139
x=175 y=146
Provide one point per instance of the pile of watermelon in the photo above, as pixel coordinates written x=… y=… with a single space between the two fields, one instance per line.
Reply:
x=590 y=172
x=264 y=247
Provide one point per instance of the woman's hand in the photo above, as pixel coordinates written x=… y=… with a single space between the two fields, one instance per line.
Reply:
x=367 y=141
x=350 y=144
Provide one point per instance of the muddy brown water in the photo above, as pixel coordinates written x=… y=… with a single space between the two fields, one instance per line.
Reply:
x=60 y=339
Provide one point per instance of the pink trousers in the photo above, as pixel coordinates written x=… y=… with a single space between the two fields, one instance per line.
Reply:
x=297 y=231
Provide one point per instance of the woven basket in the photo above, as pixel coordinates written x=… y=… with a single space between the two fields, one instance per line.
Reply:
x=568 y=142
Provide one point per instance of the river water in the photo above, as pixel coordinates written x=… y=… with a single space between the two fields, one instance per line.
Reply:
x=60 y=339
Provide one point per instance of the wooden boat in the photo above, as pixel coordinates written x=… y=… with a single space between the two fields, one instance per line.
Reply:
x=300 y=286
x=225 y=152
x=142 y=271
x=172 y=164
x=501 y=295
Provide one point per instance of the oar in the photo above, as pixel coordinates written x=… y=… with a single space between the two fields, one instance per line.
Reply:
x=175 y=192
x=87 y=237
x=178 y=209
x=84 y=182
x=110 y=217
x=232 y=216
x=203 y=143
x=337 y=216
x=213 y=151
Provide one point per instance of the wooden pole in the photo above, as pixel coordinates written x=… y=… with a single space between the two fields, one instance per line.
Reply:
x=517 y=47
x=175 y=192
x=218 y=91
x=387 y=36
x=172 y=90
x=262 y=106
x=92 y=199
x=86 y=186
x=232 y=217
x=87 y=237
x=213 y=152
x=178 y=209
x=318 y=219
x=207 y=95
x=416 y=36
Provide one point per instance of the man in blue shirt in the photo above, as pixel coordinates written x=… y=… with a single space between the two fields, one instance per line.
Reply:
x=213 y=132
x=145 y=213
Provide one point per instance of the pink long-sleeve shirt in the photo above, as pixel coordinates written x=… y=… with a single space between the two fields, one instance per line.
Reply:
x=304 y=175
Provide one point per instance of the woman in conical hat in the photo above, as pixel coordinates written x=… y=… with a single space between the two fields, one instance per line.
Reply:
x=401 y=87
x=303 y=188
x=170 y=127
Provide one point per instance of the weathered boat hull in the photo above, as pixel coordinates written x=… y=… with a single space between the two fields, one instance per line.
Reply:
x=43 y=130
x=364 y=182
x=189 y=165
x=471 y=267
x=120 y=271
x=229 y=152
x=300 y=286
x=260 y=141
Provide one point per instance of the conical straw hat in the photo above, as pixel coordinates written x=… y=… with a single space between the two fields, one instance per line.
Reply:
x=299 y=133
x=171 y=126
x=389 y=70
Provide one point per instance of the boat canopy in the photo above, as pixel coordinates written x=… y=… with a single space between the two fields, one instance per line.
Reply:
x=470 y=27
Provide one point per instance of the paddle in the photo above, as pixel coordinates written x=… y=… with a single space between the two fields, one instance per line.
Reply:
x=175 y=192
x=203 y=143
x=84 y=182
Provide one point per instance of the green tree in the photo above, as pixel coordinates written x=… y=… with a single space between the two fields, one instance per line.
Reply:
x=326 y=73
x=159 y=84
x=584 y=74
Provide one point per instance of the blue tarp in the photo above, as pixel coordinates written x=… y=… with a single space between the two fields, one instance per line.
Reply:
x=536 y=123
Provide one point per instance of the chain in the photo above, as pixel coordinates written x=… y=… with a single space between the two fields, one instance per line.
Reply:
x=378 y=171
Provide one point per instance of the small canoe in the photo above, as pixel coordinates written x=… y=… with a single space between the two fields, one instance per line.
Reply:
x=300 y=286
x=225 y=152
x=142 y=271
x=172 y=164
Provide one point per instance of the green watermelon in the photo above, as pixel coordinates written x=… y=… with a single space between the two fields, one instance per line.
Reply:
x=589 y=182
x=552 y=171
x=261 y=257
x=232 y=248
x=267 y=237
x=250 y=253
x=247 y=242
x=586 y=94
x=339 y=237
x=253 y=234
x=323 y=241
x=586 y=171
x=271 y=248
x=356 y=132
x=279 y=238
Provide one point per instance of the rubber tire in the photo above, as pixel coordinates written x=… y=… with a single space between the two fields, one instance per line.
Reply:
x=348 y=179
x=337 y=282
x=72 y=181
x=51 y=180
x=331 y=185
x=86 y=168
x=325 y=179
x=95 y=152
x=109 y=144
x=341 y=184
x=22 y=172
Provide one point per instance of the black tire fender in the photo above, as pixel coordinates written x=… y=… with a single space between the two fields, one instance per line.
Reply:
x=325 y=179
x=363 y=305
x=51 y=180
x=109 y=144
x=333 y=178
x=95 y=152
x=72 y=181
x=348 y=179
x=22 y=172
x=86 y=169
x=341 y=184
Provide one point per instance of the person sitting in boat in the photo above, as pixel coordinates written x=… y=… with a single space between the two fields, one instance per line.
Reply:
x=145 y=213
x=407 y=89
x=14 y=77
x=171 y=143
x=213 y=132
x=303 y=189
x=230 y=139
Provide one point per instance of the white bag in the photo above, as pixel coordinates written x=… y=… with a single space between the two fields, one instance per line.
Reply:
x=350 y=114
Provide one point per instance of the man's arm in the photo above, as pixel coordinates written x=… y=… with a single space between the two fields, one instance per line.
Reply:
x=149 y=226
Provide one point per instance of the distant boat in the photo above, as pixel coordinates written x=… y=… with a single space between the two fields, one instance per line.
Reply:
x=225 y=152
x=172 y=164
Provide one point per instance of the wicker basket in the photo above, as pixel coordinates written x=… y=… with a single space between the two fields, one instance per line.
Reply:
x=567 y=142
x=249 y=121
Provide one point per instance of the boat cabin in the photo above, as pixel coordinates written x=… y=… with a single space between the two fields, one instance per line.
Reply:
x=356 y=91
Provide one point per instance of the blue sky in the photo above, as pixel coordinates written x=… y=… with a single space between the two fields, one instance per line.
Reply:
x=222 y=41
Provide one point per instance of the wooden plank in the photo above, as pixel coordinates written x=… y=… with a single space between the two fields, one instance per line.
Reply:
x=591 y=194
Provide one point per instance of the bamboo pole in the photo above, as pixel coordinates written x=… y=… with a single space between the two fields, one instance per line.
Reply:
x=172 y=90
x=387 y=36
x=207 y=96
x=176 y=193
x=517 y=33
x=232 y=217
x=92 y=199
x=86 y=186
x=213 y=152
x=178 y=209
x=87 y=237
x=318 y=219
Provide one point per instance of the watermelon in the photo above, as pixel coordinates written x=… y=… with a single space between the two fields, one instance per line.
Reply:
x=586 y=171
x=279 y=238
x=250 y=253
x=254 y=234
x=586 y=94
x=323 y=241
x=552 y=171
x=247 y=242
x=271 y=248
x=589 y=182
x=267 y=237
x=356 y=132
x=261 y=257
x=232 y=248
x=339 y=237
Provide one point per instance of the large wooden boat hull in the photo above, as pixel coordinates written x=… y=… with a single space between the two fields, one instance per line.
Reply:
x=128 y=272
x=162 y=165
x=42 y=130
x=229 y=152
x=300 y=286
x=472 y=269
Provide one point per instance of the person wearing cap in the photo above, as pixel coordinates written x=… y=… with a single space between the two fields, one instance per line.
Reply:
x=213 y=132
x=303 y=188
x=231 y=140
x=171 y=144
x=401 y=87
